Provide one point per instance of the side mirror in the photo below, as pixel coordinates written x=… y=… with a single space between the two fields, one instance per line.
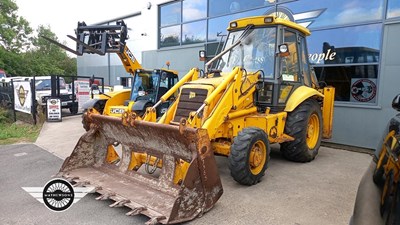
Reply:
x=396 y=103
x=283 y=50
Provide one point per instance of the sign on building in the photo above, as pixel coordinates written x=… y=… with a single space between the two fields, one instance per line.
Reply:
x=23 y=96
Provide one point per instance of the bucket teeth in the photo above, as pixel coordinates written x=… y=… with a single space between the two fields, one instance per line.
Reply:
x=98 y=188
x=135 y=211
x=105 y=196
x=120 y=203
x=81 y=184
x=71 y=179
x=155 y=220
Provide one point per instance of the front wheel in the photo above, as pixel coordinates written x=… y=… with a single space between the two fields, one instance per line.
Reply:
x=249 y=156
x=305 y=125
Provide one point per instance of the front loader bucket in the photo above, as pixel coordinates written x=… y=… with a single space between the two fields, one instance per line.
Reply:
x=159 y=198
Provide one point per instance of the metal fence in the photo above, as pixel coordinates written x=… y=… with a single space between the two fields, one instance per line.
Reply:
x=38 y=111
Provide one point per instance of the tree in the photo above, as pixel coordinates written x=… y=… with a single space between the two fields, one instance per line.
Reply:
x=14 y=30
x=22 y=54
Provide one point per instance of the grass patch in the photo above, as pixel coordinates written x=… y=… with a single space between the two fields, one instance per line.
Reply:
x=16 y=132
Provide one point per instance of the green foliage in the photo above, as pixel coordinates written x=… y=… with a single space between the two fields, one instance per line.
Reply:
x=13 y=133
x=22 y=54
x=14 y=30
x=5 y=116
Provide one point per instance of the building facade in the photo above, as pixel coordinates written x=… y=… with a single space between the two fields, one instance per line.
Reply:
x=353 y=46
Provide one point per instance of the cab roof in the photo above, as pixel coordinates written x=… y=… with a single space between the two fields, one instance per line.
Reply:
x=265 y=21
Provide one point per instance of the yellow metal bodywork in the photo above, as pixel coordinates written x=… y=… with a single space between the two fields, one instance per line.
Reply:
x=117 y=101
x=260 y=21
x=300 y=95
x=327 y=111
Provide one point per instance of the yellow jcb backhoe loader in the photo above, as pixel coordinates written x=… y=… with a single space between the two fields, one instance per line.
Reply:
x=262 y=91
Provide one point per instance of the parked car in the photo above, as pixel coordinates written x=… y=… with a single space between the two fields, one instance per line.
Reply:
x=43 y=92
x=378 y=196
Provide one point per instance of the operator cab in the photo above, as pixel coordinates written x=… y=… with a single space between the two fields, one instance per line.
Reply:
x=274 y=48
x=148 y=86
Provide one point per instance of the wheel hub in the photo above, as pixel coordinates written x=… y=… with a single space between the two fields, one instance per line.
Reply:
x=257 y=157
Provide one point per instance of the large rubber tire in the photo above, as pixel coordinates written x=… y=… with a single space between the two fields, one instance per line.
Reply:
x=387 y=194
x=394 y=213
x=305 y=125
x=249 y=156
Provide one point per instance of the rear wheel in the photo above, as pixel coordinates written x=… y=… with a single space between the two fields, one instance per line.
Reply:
x=249 y=156
x=305 y=125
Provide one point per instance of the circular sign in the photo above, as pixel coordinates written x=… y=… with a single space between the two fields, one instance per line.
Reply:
x=363 y=90
x=58 y=195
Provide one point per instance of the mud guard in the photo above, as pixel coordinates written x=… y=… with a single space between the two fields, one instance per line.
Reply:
x=140 y=105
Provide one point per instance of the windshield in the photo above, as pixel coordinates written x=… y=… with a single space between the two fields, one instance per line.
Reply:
x=144 y=83
x=2 y=74
x=46 y=84
x=256 y=51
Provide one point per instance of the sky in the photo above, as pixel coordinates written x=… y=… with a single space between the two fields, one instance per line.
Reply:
x=63 y=16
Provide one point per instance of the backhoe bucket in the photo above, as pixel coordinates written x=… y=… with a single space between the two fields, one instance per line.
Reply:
x=160 y=198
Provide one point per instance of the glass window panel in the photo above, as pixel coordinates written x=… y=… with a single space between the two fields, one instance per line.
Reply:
x=335 y=12
x=170 y=14
x=194 y=32
x=170 y=36
x=218 y=7
x=335 y=46
x=305 y=69
x=218 y=25
x=290 y=64
x=194 y=9
x=352 y=83
x=393 y=8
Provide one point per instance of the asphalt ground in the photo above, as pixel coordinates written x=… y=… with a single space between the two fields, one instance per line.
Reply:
x=320 y=192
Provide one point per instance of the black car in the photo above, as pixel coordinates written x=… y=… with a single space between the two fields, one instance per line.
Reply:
x=378 y=196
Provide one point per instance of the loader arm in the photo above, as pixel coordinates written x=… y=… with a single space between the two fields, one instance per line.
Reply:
x=228 y=97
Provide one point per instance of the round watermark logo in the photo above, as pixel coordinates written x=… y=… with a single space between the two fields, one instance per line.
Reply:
x=58 y=195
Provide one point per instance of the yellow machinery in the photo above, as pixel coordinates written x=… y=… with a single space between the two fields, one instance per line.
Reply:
x=387 y=171
x=147 y=86
x=262 y=91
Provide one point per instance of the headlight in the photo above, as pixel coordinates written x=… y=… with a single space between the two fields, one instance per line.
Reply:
x=70 y=97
